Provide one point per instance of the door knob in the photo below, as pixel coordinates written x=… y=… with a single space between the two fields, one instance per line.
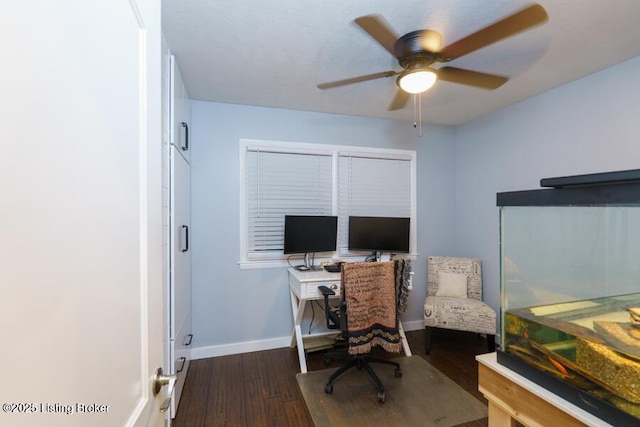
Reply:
x=160 y=380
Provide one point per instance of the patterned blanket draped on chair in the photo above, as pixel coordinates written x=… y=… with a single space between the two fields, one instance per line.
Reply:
x=371 y=293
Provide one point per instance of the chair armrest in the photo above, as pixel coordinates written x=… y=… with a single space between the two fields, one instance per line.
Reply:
x=326 y=291
x=332 y=319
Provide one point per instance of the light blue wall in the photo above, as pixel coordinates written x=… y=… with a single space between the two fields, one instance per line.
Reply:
x=233 y=306
x=590 y=125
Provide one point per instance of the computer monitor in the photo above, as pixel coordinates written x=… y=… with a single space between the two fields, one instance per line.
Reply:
x=379 y=234
x=308 y=233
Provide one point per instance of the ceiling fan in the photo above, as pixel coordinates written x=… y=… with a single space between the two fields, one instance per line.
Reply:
x=418 y=50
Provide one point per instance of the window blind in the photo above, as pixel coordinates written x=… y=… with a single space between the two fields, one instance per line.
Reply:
x=279 y=183
x=371 y=187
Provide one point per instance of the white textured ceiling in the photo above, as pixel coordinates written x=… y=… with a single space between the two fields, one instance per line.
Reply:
x=273 y=53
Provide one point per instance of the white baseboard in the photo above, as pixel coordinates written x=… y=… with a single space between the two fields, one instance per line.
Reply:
x=413 y=325
x=240 y=347
x=268 y=344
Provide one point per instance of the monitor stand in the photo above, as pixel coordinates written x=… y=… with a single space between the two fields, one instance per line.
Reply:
x=309 y=260
x=374 y=257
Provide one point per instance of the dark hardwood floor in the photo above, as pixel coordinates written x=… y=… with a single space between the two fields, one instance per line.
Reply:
x=260 y=388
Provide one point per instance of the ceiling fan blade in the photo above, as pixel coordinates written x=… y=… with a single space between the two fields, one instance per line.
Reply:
x=378 y=28
x=358 y=79
x=471 y=78
x=509 y=26
x=399 y=100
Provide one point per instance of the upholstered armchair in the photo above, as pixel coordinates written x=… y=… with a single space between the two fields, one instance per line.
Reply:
x=454 y=299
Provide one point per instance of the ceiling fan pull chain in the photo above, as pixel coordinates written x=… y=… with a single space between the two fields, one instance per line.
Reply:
x=420 y=114
x=415 y=111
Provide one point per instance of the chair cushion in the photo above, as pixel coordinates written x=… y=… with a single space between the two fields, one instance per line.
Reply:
x=452 y=285
x=472 y=267
x=463 y=314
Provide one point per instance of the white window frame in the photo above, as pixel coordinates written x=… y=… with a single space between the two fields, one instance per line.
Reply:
x=335 y=151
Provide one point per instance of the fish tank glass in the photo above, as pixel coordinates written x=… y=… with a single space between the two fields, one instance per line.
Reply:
x=570 y=290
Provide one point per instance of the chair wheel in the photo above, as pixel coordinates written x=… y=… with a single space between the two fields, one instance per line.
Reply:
x=381 y=396
x=326 y=361
x=328 y=388
x=398 y=372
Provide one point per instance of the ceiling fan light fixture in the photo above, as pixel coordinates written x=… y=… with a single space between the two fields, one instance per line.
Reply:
x=417 y=80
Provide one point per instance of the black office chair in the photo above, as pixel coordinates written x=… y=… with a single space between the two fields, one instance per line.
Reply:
x=337 y=318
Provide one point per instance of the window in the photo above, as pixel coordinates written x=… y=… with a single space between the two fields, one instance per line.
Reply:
x=280 y=183
x=371 y=187
x=279 y=179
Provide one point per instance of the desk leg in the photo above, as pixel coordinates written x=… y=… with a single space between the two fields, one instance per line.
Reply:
x=498 y=417
x=298 y=311
x=403 y=337
x=294 y=310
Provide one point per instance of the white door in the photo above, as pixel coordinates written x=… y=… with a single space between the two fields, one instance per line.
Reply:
x=81 y=262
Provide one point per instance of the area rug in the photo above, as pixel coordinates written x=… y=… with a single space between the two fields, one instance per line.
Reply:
x=423 y=396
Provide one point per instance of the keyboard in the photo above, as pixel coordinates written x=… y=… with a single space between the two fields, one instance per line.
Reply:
x=333 y=268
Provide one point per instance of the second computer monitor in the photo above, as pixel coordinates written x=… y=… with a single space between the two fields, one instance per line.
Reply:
x=379 y=234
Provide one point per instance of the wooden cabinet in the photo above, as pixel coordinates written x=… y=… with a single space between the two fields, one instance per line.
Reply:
x=512 y=397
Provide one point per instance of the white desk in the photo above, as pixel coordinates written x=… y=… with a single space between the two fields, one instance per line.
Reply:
x=513 y=397
x=303 y=287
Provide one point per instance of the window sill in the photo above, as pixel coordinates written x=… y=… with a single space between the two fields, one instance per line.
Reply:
x=282 y=263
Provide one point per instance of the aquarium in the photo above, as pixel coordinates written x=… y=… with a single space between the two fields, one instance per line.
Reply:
x=570 y=290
